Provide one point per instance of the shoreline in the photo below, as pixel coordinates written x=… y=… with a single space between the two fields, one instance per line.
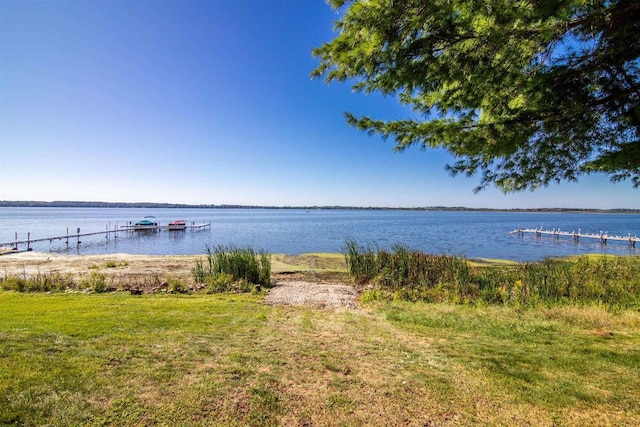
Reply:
x=31 y=263
x=152 y=205
x=117 y=267
x=127 y=271
x=144 y=270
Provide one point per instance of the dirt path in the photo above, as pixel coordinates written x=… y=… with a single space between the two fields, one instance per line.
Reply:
x=313 y=294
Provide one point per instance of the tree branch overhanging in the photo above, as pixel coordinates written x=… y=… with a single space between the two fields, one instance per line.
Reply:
x=520 y=119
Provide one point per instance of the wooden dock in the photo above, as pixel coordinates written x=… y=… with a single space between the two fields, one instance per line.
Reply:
x=602 y=237
x=75 y=237
x=192 y=226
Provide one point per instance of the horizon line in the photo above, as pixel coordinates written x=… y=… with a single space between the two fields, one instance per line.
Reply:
x=95 y=204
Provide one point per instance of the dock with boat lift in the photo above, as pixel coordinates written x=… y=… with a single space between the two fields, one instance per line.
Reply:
x=74 y=237
x=602 y=237
x=133 y=228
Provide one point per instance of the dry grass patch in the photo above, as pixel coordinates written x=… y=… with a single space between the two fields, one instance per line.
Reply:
x=312 y=267
x=489 y=262
x=308 y=262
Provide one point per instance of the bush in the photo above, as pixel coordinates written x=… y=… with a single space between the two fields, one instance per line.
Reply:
x=53 y=282
x=13 y=283
x=217 y=283
x=96 y=282
x=114 y=264
x=177 y=286
x=373 y=295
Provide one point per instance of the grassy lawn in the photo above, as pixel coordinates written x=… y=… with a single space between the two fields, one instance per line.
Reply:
x=117 y=359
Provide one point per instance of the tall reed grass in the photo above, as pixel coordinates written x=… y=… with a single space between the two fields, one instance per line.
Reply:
x=226 y=265
x=412 y=275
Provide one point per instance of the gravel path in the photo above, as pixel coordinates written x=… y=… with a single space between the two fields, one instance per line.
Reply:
x=313 y=294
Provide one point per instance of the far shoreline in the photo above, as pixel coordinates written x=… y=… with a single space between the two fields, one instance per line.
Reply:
x=153 y=205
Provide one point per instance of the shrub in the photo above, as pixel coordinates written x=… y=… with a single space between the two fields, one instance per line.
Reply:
x=217 y=283
x=13 y=283
x=177 y=286
x=53 y=282
x=373 y=295
x=96 y=282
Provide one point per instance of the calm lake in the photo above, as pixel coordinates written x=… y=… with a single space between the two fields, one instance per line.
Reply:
x=290 y=231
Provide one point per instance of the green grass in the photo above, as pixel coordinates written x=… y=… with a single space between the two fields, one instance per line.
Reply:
x=116 y=359
x=547 y=358
x=114 y=264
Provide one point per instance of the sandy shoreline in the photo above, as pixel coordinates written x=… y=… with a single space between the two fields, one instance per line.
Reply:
x=127 y=266
x=150 y=273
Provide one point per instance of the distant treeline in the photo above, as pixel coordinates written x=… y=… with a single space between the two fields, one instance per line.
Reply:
x=147 y=205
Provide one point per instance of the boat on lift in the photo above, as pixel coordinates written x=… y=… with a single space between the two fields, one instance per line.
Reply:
x=178 y=225
x=148 y=223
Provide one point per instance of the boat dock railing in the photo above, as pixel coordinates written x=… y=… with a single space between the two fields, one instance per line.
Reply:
x=109 y=232
x=602 y=237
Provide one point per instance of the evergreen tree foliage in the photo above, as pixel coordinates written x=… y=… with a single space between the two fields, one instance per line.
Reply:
x=523 y=92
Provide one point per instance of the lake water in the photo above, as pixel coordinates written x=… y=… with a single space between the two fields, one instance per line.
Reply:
x=290 y=231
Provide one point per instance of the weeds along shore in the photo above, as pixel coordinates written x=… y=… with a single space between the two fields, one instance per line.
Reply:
x=404 y=274
x=397 y=274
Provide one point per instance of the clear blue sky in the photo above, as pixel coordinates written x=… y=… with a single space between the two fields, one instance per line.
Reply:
x=210 y=102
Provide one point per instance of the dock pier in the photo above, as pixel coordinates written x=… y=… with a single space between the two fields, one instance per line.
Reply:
x=109 y=233
x=132 y=228
x=602 y=237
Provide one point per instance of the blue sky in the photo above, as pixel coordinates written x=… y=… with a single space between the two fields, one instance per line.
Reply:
x=210 y=102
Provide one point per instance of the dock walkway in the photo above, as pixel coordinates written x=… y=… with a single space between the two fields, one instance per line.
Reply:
x=603 y=238
x=78 y=234
x=191 y=226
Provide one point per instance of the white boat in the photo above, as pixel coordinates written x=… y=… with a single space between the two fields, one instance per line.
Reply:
x=148 y=223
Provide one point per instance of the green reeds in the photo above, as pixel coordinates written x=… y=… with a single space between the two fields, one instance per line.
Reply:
x=412 y=275
x=243 y=266
x=361 y=261
x=406 y=273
